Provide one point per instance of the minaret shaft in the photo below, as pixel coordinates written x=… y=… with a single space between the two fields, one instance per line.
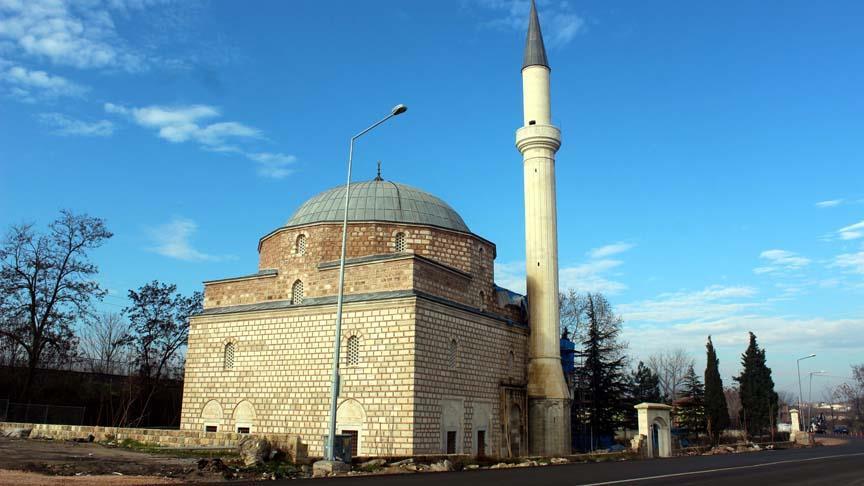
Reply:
x=538 y=141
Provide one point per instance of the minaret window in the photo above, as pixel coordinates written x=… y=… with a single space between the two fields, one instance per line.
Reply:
x=297 y=292
x=482 y=300
x=400 y=242
x=301 y=245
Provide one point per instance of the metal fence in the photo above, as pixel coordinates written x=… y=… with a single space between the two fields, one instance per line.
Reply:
x=37 y=413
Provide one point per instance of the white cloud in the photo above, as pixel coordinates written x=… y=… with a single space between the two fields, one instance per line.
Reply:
x=81 y=34
x=609 y=250
x=172 y=240
x=851 y=232
x=592 y=276
x=852 y=262
x=188 y=123
x=178 y=124
x=273 y=165
x=27 y=84
x=781 y=261
x=829 y=203
x=710 y=303
x=557 y=21
x=64 y=125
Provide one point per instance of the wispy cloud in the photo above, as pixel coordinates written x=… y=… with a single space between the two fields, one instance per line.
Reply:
x=558 y=21
x=195 y=123
x=781 y=261
x=64 y=125
x=851 y=262
x=173 y=240
x=178 y=124
x=829 y=203
x=273 y=165
x=609 y=250
x=29 y=85
x=851 y=232
x=711 y=303
x=595 y=275
x=77 y=34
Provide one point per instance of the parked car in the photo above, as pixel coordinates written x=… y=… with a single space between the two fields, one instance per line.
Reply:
x=841 y=429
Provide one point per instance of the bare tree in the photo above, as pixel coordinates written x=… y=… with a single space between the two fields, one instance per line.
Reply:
x=46 y=283
x=107 y=341
x=160 y=325
x=671 y=366
x=733 y=403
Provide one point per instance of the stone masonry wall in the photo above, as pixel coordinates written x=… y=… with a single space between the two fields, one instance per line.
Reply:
x=282 y=367
x=159 y=437
x=483 y=364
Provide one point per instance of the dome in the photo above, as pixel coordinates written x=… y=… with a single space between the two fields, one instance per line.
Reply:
x=379 y=200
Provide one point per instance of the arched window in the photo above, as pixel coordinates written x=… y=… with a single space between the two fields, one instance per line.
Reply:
x=301 y=244
x=453 y=361
x=353 y=357
x=297 y=292
x=400 y=242
x=511 y=363
x=482 y=300
x=228 y=360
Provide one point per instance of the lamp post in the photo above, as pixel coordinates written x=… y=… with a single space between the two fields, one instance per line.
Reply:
x=810 y=396
x=334 y=384
x=800 y=392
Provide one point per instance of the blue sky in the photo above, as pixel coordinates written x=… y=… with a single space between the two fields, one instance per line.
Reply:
x=710 y=179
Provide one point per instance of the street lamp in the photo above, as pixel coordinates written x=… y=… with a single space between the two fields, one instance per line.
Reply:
x=798 y=363
x=810 y=396
x=334 y=384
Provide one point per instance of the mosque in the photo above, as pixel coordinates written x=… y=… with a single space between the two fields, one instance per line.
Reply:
x=435 y=358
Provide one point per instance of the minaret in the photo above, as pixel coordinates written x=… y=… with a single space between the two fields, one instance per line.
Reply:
x=538 y=141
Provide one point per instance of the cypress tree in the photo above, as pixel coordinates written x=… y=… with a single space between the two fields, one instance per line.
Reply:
x=716 y=413
x=758 y=398
x=691 y=410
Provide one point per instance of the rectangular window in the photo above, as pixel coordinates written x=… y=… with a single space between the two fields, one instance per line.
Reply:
x=451 y=442
x=210 y=428
x=242 y=430
x=481 y=443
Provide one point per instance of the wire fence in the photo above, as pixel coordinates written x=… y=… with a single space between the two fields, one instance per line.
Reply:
x=39 y=413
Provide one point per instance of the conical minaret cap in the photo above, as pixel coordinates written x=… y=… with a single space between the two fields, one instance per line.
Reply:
x=535 y=51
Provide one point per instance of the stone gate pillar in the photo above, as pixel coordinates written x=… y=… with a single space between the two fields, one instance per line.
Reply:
x=655 y=426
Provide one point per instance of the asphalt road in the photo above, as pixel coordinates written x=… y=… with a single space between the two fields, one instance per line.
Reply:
x=837 y=465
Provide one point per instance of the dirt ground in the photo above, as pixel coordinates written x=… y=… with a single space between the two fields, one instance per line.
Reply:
x=38 y=462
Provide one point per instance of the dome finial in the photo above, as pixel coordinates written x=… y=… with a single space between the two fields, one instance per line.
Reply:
x=378 y=177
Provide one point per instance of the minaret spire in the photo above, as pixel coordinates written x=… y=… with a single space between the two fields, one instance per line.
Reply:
x=535 y=51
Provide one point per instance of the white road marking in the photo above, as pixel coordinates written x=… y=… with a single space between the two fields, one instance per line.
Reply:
x=731 y=468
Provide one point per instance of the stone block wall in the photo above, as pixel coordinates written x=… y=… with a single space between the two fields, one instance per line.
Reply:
x=281 y=366
x=483 y=363
x=172 y=438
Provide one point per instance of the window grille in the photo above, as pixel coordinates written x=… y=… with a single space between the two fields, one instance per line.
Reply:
x=353 y=351
x=453 y=361
x=297 y=292
x=301 y=245
x=229 y=357
x=400 y=242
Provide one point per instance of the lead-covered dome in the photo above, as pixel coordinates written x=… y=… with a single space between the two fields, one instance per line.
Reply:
x=379 y=200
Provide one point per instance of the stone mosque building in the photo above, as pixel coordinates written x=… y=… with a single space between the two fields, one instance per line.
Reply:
x=435 y=358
